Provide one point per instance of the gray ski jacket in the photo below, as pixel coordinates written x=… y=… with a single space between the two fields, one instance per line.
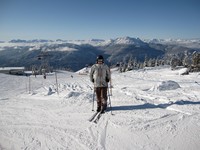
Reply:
x=100 y=75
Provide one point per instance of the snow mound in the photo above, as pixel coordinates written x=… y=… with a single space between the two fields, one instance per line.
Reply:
x=184 y=71
x=165 y=85
x=84 y=71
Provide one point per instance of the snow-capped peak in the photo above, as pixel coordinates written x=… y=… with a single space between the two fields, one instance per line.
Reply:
x=128 y=40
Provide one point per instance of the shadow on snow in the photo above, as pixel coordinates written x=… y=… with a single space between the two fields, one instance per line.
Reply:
x=153 y=106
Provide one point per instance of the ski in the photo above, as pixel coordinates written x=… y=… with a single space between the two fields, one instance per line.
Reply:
x=93 y=116
x=98 y=116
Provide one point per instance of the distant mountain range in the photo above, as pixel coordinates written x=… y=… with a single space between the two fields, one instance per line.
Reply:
x=194 y=43
x=75 y=54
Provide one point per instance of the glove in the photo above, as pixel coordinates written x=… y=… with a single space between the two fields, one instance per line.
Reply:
x=107 y=80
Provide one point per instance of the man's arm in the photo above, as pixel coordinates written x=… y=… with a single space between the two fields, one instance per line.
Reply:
x=91 y=74
x=108 y=74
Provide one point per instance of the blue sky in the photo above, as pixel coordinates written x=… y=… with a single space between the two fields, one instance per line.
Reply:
x=100 y=19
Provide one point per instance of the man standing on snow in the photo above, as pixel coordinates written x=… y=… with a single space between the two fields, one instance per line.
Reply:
x=100 y=76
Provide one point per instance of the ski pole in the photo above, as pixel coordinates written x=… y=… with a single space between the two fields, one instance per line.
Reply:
x=56 y=82
x=93 y=100
x=110 y=101
x=110 y=83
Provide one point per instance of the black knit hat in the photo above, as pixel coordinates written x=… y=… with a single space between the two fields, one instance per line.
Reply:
x=100 y=58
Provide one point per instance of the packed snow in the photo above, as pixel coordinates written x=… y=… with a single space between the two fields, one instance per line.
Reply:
x=152 y=109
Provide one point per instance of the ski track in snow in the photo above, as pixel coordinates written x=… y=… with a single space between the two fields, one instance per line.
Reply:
x=37 y=116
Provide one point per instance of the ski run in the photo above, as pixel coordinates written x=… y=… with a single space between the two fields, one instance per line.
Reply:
x=152 y=109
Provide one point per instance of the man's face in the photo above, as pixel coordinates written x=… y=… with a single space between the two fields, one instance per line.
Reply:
x=100 y=61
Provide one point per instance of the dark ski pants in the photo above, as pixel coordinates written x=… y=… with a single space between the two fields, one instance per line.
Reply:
x=101 y=93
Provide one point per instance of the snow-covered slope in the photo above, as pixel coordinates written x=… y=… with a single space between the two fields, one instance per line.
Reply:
x=34 y=116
